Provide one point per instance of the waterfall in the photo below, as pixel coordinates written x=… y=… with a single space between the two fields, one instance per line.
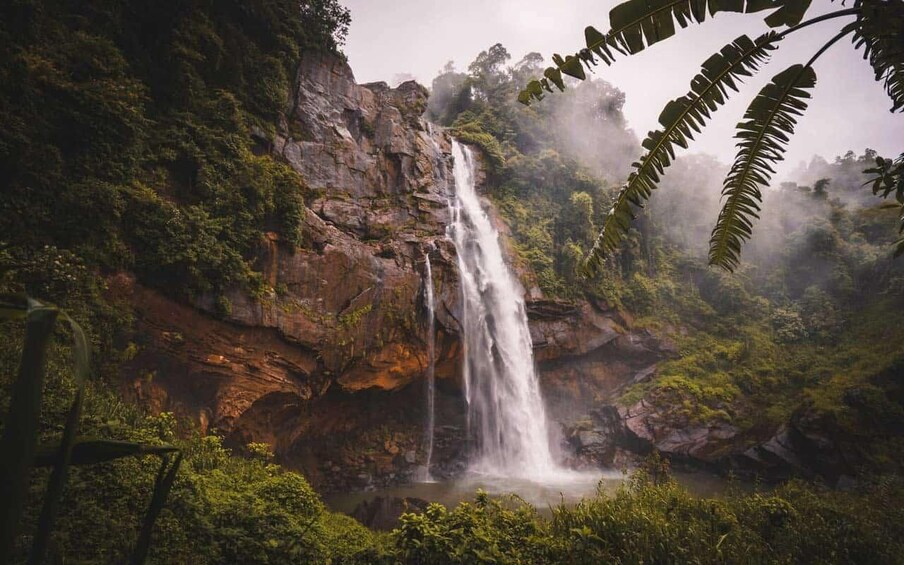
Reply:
x=431 y=362
x=506 y=415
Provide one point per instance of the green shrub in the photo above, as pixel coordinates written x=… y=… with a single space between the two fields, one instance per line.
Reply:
x=473 y=134
x=485 y=531
x=657 y=521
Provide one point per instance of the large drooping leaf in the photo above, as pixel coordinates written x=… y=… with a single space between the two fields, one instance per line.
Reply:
x=719 y=75
x=788 y=14
x=20 y=433
x=13 y=306
x=19 y=451
x=638 y=24
x=880 y=32
x=763 y=135
x=162 y=486
x=81 y=355
x=86 y=451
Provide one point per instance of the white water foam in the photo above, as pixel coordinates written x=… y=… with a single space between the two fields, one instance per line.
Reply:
x=506 y=414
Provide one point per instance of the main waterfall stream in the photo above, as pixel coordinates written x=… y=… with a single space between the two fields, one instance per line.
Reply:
x=506 y=415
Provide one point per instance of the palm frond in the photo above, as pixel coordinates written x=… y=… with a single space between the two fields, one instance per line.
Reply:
x=880 y=32
x=788 y=14
x=88 y=451
x=769 y=122
x=166 y=476
x=680 y=118
x=638 y=24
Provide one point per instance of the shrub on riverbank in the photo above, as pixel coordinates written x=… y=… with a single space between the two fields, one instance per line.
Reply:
x=650 y=521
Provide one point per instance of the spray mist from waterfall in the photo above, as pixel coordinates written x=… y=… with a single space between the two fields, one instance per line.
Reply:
x=506 y=415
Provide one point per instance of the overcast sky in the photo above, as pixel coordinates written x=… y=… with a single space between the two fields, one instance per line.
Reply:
x=849 y=110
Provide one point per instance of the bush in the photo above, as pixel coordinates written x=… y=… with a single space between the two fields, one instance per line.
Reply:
x=485 y=531
x=221 y=509
x=788 y=325
x=657 y=521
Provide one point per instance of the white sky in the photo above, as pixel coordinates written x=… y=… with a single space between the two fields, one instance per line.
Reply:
x=849 y=110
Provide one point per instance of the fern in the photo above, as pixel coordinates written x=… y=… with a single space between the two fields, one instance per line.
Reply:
x=680 y=119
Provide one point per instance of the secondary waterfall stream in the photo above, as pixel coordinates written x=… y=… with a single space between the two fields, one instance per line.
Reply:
x=506 y=415
x=431 y=364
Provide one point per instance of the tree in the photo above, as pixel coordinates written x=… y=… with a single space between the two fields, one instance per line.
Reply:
x=820 y=188
x=486 y=70
x=449 y=95
x=876 y=27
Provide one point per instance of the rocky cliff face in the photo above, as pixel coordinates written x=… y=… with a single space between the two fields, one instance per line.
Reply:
x=326 y=366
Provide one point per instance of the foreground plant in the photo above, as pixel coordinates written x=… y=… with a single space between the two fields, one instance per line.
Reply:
x=20 y=450
x=875 y=26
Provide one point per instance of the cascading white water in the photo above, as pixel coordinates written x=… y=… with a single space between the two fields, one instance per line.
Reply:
x=505 y=409
x=431 y=362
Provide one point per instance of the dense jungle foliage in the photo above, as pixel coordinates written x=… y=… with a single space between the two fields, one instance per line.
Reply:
x=131 y=141
x=142 y=116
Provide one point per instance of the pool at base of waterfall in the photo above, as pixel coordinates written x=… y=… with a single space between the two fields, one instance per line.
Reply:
x=543 y=495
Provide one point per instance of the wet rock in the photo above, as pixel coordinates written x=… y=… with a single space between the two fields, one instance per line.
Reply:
x=648 y=425
x=595 y=441
x=698 y=442
x=776 y=458
x=583 y=356
x=811 y=445
x=643 y=375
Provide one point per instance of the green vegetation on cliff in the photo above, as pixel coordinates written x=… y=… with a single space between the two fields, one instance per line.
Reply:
x=134 y=133
x=229 y=509
x=221 y=509
x=135 y=139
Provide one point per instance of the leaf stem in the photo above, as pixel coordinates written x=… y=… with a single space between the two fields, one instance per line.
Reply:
x=844 y=31
x=816 y=20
